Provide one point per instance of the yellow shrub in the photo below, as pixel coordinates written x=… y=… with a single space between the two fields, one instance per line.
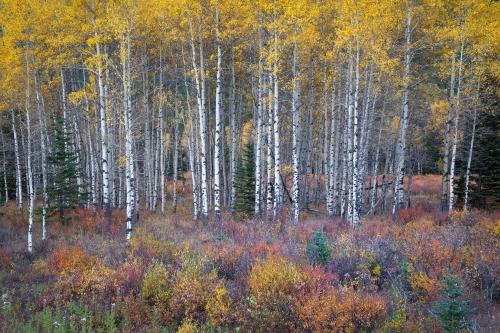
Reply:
x=187 y=326
x=218 y=307
x=191 y=286
x=155 y=287
x=273 y=284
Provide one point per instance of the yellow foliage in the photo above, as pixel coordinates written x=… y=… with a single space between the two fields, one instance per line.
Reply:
x=155 y=286
x=219 y=306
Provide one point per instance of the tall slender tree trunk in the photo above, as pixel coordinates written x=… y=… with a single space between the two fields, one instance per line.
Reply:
x=175 y=162
x=19 y=183
x=355 y=153
x=29 y=170
x=103 y=128
x=193 y=147
x=4 y=166
x=296 y=133
x=234 y=148
x=260 y=116
x=398 y=199
x=218 y=125
x=447 y=136
x=471 y=149
x=350 y=160
x=129 y=153
x=200 y=97
x=43 y=148
x=270 y=174
x=455 y=135
x=277 y=147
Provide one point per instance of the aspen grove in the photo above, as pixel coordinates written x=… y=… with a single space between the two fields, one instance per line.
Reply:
x=144 y=120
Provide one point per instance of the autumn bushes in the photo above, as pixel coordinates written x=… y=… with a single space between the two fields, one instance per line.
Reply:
x=320 y=276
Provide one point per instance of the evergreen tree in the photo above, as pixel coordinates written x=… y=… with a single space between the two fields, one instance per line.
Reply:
x=485 y=176
x=64 y=192
x=317 y=249
x=451 y=311
x=245 y=183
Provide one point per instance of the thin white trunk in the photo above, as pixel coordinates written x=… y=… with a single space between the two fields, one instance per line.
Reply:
x=233 y=137
x=471 y=150
x=218 y=124
x=193 y=148
x=398 y=199
x=355 y=162
x=455 y=136
x=43 y=148
x=260 y=116
x=4 y=166
x=296 y=133
x=29 y=170
x=277 y=148
x=176 y=155
x=129 y=155
x=270 y=196
x=199 y=75
x=103 y=128
x=330 y=199
x=350 y=166
x=447 y=136
x=19 y=183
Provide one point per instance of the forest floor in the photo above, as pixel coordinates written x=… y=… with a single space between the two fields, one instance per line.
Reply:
x=176 y=275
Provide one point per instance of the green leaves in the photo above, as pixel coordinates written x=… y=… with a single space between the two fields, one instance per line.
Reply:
x=317 y=250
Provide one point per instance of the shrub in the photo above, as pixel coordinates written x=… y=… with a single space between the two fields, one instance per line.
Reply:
x=191 y=286
x=451 y=311
x=80 y=274
x=317 y=250
x=187 y=326
x=358 y=311
x=273 y=284
x=219 y=306
x=155 y=286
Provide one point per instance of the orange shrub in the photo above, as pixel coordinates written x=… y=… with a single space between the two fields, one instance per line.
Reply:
x=79 y=273
x=323 y=308
x=67 y=260
x=358 y=311
x=408 y=214
x=263 y=249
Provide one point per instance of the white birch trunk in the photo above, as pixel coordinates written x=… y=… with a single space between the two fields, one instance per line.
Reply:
x=296 y=133
x=277 y=148
x=43 y=148
x=218 y=124
x=129 y=156
x=355 y=173
x=29 y=170
x=4 y=166
x=330 y=201
x=398 y=199
x=447 y=136
x=471 y=150
x=270 y=174
x=455 y=135
x=19 y=183
x=260 y=116
x=176 y=155
x=103 y=128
